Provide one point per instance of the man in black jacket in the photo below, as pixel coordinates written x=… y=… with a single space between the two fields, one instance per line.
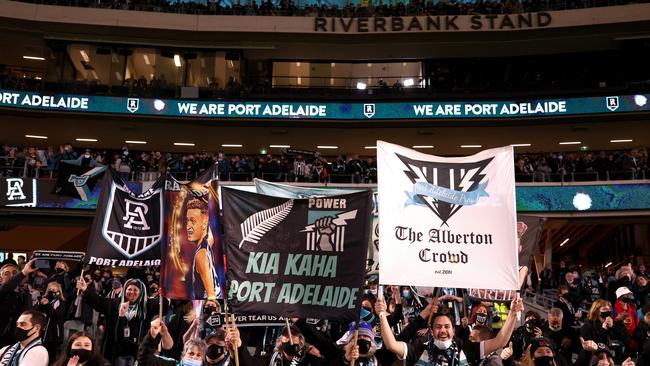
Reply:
x=13 y=299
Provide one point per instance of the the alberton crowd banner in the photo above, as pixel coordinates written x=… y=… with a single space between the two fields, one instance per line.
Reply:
x=296 y=257
x=445 y=219
x=192 y=263
x=289 y=191
x=127 y=229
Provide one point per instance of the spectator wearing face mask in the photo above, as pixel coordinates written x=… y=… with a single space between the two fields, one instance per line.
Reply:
x=28 y=351
x=565 y=304
x=522 y=337
x=563 y=337
x=53 y=305
x=625 y=311
x=221 y=346
x=541 y=353
x=600 y=327
x=193 y=350
x=13 y=299
x=81 y=350
x=126 y=319
x=624 y=277
x=62 y=276
x=439 y=347
x=291 y=348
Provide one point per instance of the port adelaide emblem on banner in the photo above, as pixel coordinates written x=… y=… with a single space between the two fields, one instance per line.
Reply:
x=133 y=224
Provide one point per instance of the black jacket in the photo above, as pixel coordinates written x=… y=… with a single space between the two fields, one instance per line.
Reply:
x=12 y=304
x=55 y=312
x=117 y=341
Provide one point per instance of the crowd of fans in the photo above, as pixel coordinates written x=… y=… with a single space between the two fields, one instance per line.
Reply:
x=306 y=166
x=105 y=316
x=318 y=8
x=582 y=166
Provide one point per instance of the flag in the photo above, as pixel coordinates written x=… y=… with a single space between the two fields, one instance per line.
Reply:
x=77 y=178
x=192 y=264
x=446 y=221
x=127 y=229
x=296 y=257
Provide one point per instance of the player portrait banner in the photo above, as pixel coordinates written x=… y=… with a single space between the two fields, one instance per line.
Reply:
x=445 y=220
x=127 y=229
x=296 y=257
x=290 y=191
x=192 y=263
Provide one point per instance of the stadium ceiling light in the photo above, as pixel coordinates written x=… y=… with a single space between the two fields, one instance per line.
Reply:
x=135 y=142
x=623 y=140
x=423 y=146
x=470 y=146
x=231 y=145
x=608 y=264
x=183 y=144
x=146 y=59
x=36 y=137
x=519 y=145
x=327 y=147
x=361 y=86
x=570 y=143
x=86 y=139
x=280 y=146
x=84 y=56
x=177 y=60
x=370 y=147
x=409 y=82
x=564 y=242
x=34 y=58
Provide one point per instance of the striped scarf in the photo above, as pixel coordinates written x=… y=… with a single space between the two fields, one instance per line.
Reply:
x=14 y=351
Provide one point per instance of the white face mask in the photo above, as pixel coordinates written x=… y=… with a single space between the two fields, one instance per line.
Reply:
x=442 y=344
x=191 y=362
x=555 y=329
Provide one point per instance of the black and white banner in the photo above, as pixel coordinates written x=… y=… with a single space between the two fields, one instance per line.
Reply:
x=18 y=192
x=443 y=219
x=127 y=229
x=296 y=257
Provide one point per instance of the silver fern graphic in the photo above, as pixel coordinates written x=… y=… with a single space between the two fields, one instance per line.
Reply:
x=258 y=224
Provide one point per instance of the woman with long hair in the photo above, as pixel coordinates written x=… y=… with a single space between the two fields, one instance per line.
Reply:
x=53 y=305
x=81 y=350
x=600 y=327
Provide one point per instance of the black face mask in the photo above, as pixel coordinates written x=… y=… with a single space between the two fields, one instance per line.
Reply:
x=628 y=300
x=52 y=296
x=59 y=270
x=364 y=346
x=21 y=334
x=214 y=352
x=544 y=361
x=605 y=314
x=83 y=354
x=209 y=311
x=481 y=318
x=290 y=349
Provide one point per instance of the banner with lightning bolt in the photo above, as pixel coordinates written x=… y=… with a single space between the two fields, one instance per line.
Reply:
x=445 y=220
x=296 y=257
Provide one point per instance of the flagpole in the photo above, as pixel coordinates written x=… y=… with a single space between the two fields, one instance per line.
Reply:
x=289 y=331
x=81 y=277
x=233 y=325
x=354 y=344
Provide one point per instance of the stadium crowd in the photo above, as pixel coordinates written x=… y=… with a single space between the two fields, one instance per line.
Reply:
x=322 y=9
x=308 y=166
x=62 y=315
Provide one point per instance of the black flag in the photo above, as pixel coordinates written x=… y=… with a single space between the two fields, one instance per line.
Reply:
x=296 y=257
x=127 y=229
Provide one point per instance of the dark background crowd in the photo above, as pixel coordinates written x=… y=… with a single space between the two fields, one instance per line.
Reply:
x=309 y=166
x=591 y=315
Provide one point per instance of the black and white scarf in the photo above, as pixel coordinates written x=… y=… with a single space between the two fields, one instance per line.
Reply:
x=443 y=357
x=13 y=355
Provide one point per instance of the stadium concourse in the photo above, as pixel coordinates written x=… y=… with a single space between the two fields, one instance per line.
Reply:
x=199 y=183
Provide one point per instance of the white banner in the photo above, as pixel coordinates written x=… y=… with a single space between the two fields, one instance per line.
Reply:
x=447 y=222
